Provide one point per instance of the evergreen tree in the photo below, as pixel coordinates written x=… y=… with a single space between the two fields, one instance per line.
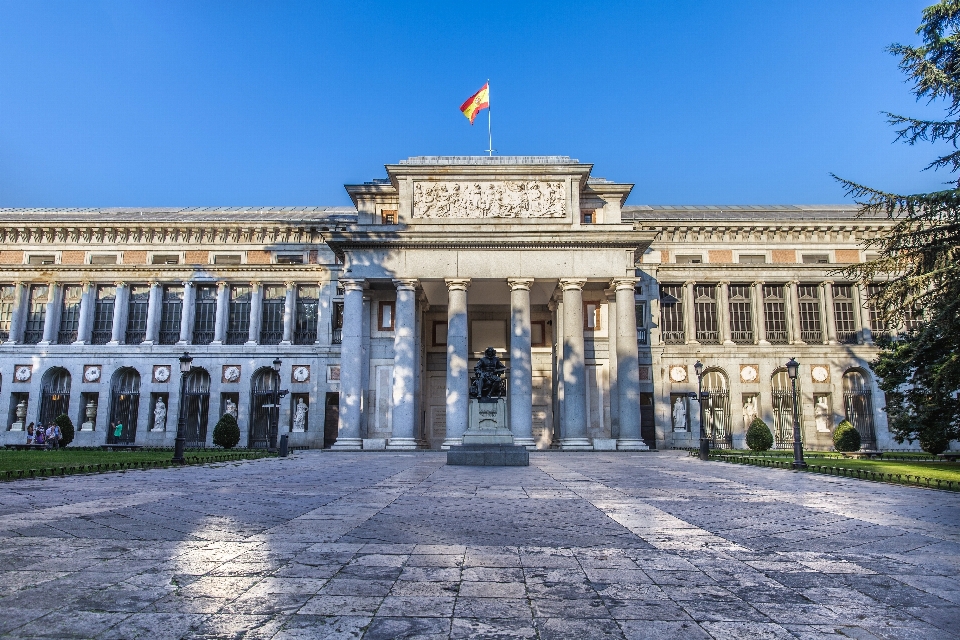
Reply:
x=918 y=269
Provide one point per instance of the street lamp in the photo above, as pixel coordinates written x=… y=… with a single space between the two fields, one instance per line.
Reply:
x=704 y=442
x=277 y=394
x=186 y=364
x=793 y=367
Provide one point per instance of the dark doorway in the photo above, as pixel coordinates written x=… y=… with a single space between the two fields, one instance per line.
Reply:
x=54 y=395
x=263 y=394
x=331 y=419
x=196 y=407
x=124 y=405
x=648 y=429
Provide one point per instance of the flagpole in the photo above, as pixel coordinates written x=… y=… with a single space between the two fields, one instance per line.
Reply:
x=489 y=129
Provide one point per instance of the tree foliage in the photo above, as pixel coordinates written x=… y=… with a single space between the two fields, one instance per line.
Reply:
x=759 y=437
x=846 y=437
x=919 y=266
x=226 y=433
x=67 y=432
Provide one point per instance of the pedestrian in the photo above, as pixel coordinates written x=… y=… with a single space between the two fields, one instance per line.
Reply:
x=53 y=436
x=38 y=437
x=30 y=433
x=118 y=431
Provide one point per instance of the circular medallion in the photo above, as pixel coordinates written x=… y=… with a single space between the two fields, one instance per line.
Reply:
x=678 y=373
x=161 y=374
x=92 y=374
x=820 y=374
x=231 y=374
x=300 y=374
x=22 y=373
x=748 y=373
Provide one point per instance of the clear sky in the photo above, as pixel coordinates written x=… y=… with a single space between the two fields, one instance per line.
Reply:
x=205 y=103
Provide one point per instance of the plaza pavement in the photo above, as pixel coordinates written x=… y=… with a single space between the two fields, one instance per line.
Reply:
x=392 y=545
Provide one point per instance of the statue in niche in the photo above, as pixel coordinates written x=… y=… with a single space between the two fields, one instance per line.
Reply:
x=231 y=408
x=300 y=417
x=679 y=414
x=749 y=410
x=487 y=384
x=821 y=412
x=159 y=415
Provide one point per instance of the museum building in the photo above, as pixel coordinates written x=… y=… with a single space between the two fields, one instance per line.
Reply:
x=357 y=327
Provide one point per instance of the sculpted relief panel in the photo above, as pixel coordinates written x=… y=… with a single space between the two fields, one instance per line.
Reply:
x=488 y=199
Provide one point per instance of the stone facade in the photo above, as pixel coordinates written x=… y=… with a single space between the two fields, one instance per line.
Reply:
x=378 y=313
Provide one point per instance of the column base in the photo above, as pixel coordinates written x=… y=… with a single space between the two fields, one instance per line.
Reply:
x=763 y=343
x=347 y=444
x=182 y=342
x=113 y=343
x=631 y=444
x=576 y=444
x=285 y=343
x=43 y=343
x=401 y=444
x=451 y=442
x=692 y=342
x=529 y=443
x=729 y=343
x=250 y=343
x=75 y=342
x=145 y=343
x=218 y=343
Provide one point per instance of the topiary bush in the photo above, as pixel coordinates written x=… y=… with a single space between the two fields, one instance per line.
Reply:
x=67 y=431
x=759 y=437
x=933 y=443
x=846 y=437
x=226 y=434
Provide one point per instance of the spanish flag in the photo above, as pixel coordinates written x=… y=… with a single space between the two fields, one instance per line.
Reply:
x=475 y=103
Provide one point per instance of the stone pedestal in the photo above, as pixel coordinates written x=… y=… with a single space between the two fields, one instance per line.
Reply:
x=16 y=426
x=488 y=441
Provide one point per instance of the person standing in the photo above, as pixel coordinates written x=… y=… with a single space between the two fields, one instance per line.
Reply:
x=30 y=433
x=117 y=431
x=38 y=436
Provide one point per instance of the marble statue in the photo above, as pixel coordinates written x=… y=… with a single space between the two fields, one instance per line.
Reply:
x=679 y=415
x=231 y=408
x=821 y=412
x=749 y=410
x=159 y=415
x=300 y=417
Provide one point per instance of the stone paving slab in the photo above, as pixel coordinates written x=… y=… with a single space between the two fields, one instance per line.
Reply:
x=351 y=545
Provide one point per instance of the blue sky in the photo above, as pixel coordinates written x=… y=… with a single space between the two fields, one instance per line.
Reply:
x=172 y=103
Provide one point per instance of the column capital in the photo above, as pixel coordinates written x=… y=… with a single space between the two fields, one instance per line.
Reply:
x=457 y=284
x=826 y=282
x=406 y=284
x=686 y=282
x=758 y=282
x=624 y=283
x=289 y=284
x=187 y=283
x=353 y=284
x=793 y=281
x=119 y=283
x=254 y=285
x=221 y=284
x=153 y=283
x=725 y=282
x=569 y=284
x=520 y=284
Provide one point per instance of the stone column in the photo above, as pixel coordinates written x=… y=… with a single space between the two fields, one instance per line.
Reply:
x=223 y=306
x=628 y=367
x=862 y=314
x=458 y=361
x=521 y=364
x=610 y=295
x=256 y=312
x=187 y=312
x=19 y=314
x=794 y=314
x=404 y=367
x=351 y=367
x=574 y=436
x=289 y=307
x=323 y=336
x=759 y=322
x=84 y=324
x=50 y=320
x=154 y=308
x=689 y=310
x=829 y=315
x=723 y=314
x=120 y=299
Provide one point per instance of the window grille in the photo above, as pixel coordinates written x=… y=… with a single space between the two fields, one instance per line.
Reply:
x=858 y=407
x=811 y=329
x=340 y=290
x=337 y=323
x=741 y=313
x=716 y=410
x=671 y=314
x=912 y=319
x=640 y=309
x=271 y=326
x=103 y=315
x=238 y=322
x=7 y=298
x=37 y=314
x=290 y=258
x=705 y=313
x=843 y=314
x=782 y=396
x=70 y=314
x=308 y=306
x=137 y=308
x=170 y=310
x=204 y=314
x=877 y=324
x=774 y=314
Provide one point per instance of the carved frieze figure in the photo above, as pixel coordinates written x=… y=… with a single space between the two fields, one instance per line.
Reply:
x=300 y=417
x=487 y=382
x=489 y=199
x=159 y=415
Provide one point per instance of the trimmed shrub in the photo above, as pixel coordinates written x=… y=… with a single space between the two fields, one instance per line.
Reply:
x=759 y=437
x=67 y=431
x=933 y=443
x=227 y=433
x=846 y=437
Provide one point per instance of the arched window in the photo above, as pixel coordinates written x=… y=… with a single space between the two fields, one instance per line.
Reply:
x=54 y=394
x=858 y=406
x=716 y=409
x=783 y=409
x=196 y=407
x=124 y=406
x=263 y=395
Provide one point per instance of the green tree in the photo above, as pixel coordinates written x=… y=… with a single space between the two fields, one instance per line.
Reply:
x=67 y=432
x=919 y=265
x=227 y=433
x=759 y=437
x=846 y=437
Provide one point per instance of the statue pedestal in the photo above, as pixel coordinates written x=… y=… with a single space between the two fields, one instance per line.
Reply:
x=16 y=426
x=488 y=441
x=88 y=426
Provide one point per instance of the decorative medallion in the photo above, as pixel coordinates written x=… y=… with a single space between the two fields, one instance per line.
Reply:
x=231 y=372
x=22 y=372
x=749 y=372
x=820 y=373
x=161 y=373
x=678 y=373
x=301 y=373
x=91 y=373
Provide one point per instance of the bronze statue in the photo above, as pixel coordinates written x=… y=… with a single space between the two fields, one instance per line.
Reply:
x=487 y=383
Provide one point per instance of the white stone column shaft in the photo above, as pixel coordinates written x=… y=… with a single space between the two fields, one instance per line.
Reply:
x=574 y=435
x=404 y=367
x=154 y=308
x=322 y=301
x=628 y=367
x=223 y=306
x=256 y=313
x=862 y=314
x=289 y=308
x=793 y=313
x=723 y=314
x=759 y=321
x=689 y=312
x=187 y=311
x=120 y=297
x=458 y=362
x=351 y=368
x=521 y=364
x=50 y=319
x=829 y=314
x=18 y=317
x=84 y=322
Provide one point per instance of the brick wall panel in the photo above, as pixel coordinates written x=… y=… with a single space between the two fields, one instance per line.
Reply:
x=258 y=257
x=11 y=257
x=134 y=257
x=848 y=255
x=72 y=257
x=197 y=257
x=784 y=256
x=722 y=256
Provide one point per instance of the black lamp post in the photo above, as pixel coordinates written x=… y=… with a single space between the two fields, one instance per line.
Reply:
x=793 y=367
x=275 y=422
x=186 y=364
x=704 y=441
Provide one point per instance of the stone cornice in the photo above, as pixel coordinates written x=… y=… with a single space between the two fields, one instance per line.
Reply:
x=160 y=233
x=169 y=273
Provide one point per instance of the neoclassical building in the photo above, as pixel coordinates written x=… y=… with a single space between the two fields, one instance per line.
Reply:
x=376 y=314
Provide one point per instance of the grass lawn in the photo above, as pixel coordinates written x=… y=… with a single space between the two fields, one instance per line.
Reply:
x=17 y=460
x=934 y=470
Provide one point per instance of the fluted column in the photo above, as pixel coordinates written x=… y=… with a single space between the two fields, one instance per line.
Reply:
x=829 y=314
x=628 y=367
x=458 y=361
x=256 y=313
x=187 y=312
x=223 y=306
x=50 y=320
x=759 y=321
x=323 y=337
x=404 y=366
x=793 y=287
x=289 y=307
x=521 y=363
x=351 y=367
x=84 y=322
x=574 y=435
x=19 y=315
x=862 y=314
x=154 y=306
x=689 y=309
x=120 y=299
x=723 y=314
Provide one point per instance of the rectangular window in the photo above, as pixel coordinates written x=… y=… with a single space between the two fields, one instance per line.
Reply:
x=775 y=314
x=308 y=311
x=640 y=310
x=104 y=258
x=912 y=319
x=289 y=258
x=816 y=258
x=752 y=259
x=103 y=315
x=689 y=259
x=591 y=316
x=39 y=260
x=137 y=308
x=36 y=314
x=877 y=324
x=271 y=319
x=238 y=315
x=439 y=333
x=165 y=258
x=170 y=310
x=8 y=293
x=843 y=314
x=671 y=314
x=204 y=314
x=336 y=324
x=385 y=315
x=741 y=313
x=705 y=313
x=388 y=216
x=70 y=314
x=226 y=259
x=588 y=216
x=811 y=329
x=538 y=333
